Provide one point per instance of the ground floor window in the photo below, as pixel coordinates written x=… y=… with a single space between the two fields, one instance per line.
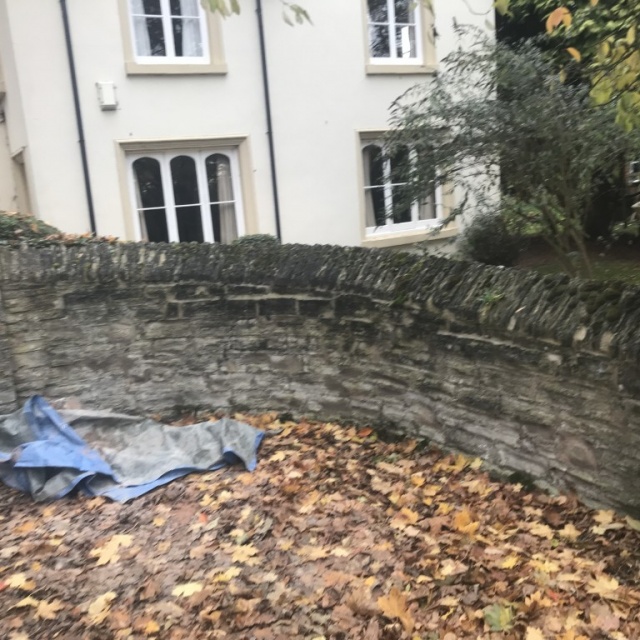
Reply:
x=387 y=207
x=190 y=196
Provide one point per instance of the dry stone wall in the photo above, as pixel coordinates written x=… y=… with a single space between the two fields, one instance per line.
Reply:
x=535 y=374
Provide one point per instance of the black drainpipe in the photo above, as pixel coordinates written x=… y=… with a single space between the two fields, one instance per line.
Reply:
x=76 y=102
x=267 y=104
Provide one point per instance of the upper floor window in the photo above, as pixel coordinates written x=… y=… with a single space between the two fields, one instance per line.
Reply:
x=191 y=196
x=388 y=207
x=169 y=31
x=395 y=31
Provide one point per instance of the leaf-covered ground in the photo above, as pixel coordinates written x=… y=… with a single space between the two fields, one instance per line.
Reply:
x=336 y=535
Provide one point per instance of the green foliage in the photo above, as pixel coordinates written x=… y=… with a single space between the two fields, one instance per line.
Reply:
x=500 y=116
x=17 y=226
x=257 y=239
x=601 y=37
x=292 y=12
x=486 y=239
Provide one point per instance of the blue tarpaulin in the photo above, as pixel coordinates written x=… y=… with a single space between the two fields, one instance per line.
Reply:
x=49 y=453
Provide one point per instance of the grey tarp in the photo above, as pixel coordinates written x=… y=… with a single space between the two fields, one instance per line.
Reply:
x=49 y=453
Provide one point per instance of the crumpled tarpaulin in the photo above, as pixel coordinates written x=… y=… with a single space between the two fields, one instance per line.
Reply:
x=49 y=453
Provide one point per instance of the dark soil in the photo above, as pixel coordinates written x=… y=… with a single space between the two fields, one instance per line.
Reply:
x=619 y=261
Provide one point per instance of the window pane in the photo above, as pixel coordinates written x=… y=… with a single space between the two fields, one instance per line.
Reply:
x=427 y=209
x=403 y=11
x=406 y=42
x=219 y=178
x=379 y=41
x=148 y=183
x=187 y=37
x=188 y=8
x=146 y=7
x=189 y=224
x=185 y=180
x=378 y=11
x=149 y=37
x=401 y=205
x=400 y=165
x=376 y=209
x=223 y=218
x=373 y=166
x=155 y=225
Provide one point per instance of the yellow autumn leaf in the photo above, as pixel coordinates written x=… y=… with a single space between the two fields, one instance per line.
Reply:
x=558 y=16
x=634 y=524
x=603 y=586
x=20 y=581
x=26 y=602
x=510 y=562
x=186 y=590
x=631 y=35
x=244 y=552
x=463 y=521
x=541 y=530
x=108 y=553
x=100 y=607
x=570 y=532
x=228 y=575
x=313 y=552
x=151 y=628
x=533 y=633
x=159 y=521
x=574 y=53
x=394 y=607
x=604 y=516
x=48 y=610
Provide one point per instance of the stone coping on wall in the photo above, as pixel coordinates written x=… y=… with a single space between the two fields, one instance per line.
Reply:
x=589 y=316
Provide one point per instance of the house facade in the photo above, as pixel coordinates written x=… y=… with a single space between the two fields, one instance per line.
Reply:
x=157 y=120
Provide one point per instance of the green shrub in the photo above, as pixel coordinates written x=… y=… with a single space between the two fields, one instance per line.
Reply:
x=258 y=239
x=486 y=239
x=17 y=226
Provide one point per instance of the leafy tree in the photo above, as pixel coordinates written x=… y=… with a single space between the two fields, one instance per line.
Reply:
x=601 y=35
x=503 y=112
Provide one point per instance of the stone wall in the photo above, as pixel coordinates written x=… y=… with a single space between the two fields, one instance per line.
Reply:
x=535 y=374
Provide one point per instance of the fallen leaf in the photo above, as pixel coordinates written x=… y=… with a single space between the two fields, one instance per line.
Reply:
x=603 y=586
x=604 y=618
x=463 y=521
x=108 y=553
x=186 y=590
x=243 y=553
x=570 y=532
x=48 y=610
x=20 y=581
x=533 y=633
x=394 y=606
x=510 y=562
x=499 y=617
x=99 y=609
x=151 y=628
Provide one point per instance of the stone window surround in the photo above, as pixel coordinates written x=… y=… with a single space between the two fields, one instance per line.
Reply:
x=239 y=143
x=216 y=64
x=427 y=63
x=398 y=238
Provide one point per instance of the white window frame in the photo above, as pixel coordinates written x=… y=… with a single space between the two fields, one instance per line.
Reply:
x=398 y=227
x=170 y=57
x=199 y=156
x=393 y=58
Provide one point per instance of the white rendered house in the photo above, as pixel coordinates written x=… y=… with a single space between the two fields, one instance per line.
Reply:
x=154 y=119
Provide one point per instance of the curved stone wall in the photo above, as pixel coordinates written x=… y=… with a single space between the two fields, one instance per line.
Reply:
x=535 y=374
